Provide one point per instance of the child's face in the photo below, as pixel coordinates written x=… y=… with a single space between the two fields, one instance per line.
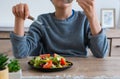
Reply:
x=61 y=4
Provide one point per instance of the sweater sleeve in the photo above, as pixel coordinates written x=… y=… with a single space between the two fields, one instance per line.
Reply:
x=23 y=46
x=98 y=44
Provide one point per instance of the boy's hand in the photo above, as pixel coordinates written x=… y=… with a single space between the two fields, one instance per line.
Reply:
x=21 y=11
x=88 y=6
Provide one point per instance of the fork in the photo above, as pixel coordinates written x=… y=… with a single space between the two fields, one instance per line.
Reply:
x=33 y=19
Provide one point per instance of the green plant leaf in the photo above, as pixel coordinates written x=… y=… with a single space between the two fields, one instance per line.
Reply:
x=3 y=61
x=14 y=66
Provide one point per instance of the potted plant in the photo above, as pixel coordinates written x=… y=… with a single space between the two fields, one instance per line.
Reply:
x=9 y=69
x=4 y=73
x=14 y=69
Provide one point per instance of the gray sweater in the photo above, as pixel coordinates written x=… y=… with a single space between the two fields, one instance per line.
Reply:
x=69 y=37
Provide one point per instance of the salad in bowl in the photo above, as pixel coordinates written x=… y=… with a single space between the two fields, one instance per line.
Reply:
x=47 y=62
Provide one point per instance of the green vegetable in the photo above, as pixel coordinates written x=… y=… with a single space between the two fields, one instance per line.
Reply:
x=59 y=66
x=32 y=61
x=3 y=61
x=54 y=66
x=14 y=65
x=37 y=61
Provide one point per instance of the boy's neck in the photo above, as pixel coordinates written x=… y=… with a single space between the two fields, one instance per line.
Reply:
x=62 y=14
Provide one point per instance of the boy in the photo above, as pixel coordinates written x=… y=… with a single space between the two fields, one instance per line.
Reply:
x=66 y=32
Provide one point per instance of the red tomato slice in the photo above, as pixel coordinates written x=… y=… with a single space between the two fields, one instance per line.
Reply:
x=45 y=56
x=62 y=61
x=48 y=64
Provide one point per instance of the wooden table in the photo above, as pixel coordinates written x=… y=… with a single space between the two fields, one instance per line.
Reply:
x=112 y=34
x=4 y=35
x=89 y=67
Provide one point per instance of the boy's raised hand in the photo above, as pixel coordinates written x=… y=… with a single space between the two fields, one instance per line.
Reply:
x=88 y=6
x=21 y=11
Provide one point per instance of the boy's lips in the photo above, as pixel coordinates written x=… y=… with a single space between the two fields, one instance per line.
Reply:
x=68 y=1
